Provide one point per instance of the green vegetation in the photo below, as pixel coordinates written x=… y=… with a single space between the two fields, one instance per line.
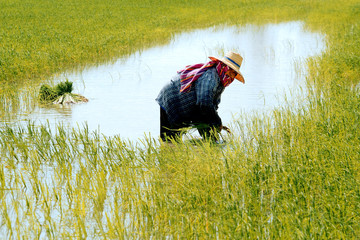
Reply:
x=49 y=94
x=290 y=174
x=60 y=94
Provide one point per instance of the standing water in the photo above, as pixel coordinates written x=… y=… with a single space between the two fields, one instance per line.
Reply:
x=122 y=95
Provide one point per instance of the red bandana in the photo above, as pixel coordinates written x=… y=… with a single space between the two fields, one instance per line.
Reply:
x=193 y=72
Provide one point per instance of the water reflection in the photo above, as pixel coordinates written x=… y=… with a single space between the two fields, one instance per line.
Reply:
x=121 y=95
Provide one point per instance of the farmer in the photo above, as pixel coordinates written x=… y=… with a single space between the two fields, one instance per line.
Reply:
x=193 y=95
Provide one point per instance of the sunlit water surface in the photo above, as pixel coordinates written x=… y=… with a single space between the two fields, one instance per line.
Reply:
x=122 y=95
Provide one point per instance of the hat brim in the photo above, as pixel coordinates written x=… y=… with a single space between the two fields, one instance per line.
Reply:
x=239 y=76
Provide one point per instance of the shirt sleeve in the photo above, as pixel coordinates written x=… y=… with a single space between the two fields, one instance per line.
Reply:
x=206 y=87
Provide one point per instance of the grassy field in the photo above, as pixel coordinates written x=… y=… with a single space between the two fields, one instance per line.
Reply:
x=291 y=174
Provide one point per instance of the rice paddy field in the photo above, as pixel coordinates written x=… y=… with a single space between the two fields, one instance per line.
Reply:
x=293 y=173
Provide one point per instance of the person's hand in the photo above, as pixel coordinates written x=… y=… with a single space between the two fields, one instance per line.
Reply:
x=225 y=128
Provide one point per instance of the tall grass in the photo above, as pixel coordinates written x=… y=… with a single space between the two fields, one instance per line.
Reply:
x=289 y=174
x=42 y=37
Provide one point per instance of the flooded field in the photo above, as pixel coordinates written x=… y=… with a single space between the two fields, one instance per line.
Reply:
x=291 y=173
x=122 y=94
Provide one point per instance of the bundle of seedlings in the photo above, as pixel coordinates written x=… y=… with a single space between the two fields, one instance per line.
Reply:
x=60 y=94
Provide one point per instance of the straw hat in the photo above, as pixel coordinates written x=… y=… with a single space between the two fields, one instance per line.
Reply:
x=234 y=61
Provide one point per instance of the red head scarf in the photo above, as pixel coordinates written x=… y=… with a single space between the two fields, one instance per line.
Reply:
x=191 y=73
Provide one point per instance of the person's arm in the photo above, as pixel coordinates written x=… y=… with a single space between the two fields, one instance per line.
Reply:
x=206 y=87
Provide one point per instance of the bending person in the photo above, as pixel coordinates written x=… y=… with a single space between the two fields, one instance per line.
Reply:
x=192 y=97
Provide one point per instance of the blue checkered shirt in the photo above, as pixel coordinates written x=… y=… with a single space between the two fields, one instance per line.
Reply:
x=199 y=105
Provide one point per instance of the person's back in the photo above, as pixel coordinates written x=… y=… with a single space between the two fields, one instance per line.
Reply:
x=193 y=95
x=199 y=104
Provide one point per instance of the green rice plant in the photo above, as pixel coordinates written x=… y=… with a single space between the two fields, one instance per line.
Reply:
x=50 y=94
x=252 y=187
x=47 y=94
x=60 y=94
x=63 y=87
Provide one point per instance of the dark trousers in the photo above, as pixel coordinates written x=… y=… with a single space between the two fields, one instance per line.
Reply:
x=169 y=132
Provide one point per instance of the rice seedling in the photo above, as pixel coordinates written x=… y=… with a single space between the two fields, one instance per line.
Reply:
x=60 y=94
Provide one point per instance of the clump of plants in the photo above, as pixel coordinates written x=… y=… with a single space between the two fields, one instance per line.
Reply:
x=60 y=94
